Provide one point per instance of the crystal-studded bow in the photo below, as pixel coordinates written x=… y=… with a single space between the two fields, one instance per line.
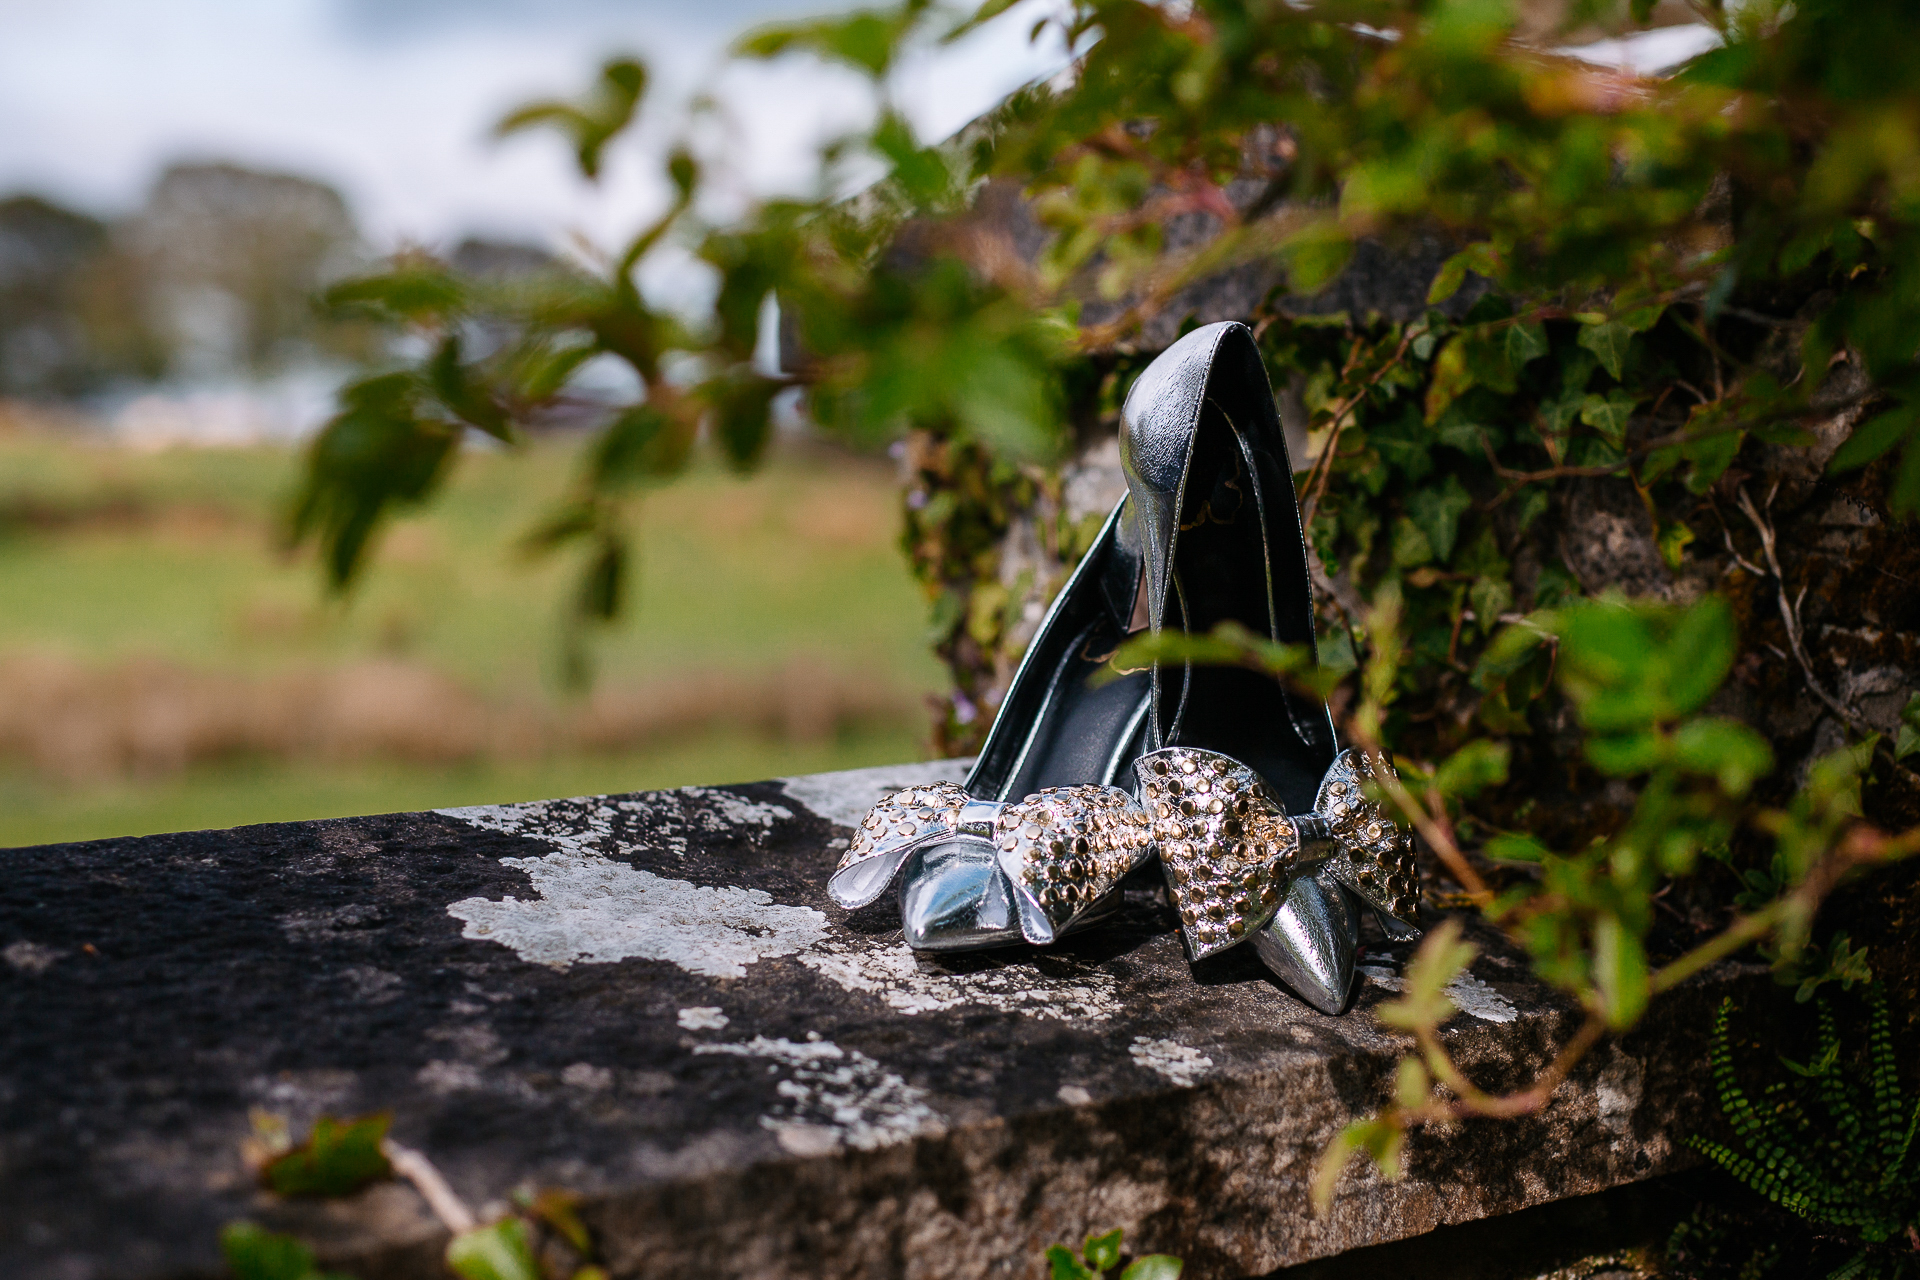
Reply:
x=1063 y=848
x=1229 y=847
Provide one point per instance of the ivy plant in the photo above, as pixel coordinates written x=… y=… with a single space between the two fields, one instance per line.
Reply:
x=1549 y=499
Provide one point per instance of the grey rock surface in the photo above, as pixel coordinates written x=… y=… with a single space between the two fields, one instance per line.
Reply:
x=648 y=999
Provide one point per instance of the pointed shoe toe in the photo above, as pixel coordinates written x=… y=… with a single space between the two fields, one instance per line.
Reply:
x=1309 y=943
x=953 y=897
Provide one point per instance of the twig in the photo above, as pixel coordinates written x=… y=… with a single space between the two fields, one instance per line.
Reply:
x=1323 y=465
x=1789 y=614
x=441 y=1198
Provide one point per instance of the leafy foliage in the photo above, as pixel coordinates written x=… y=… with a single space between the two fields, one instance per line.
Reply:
x=1102 y=1254
x=254 y=1253
x=1661 y=301
x=337 y=1159
x=1847 y=1167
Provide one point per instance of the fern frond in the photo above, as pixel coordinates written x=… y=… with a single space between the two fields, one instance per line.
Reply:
x=1852 y=1269
x=1883 y=1071
x=1747 y=1123
x=1896 y=1161
x=1831 y=1082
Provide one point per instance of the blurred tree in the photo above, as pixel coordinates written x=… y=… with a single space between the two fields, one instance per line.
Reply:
x=232 y=259
x=46 y=256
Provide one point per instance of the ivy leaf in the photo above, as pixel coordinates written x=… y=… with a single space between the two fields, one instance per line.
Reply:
x=1875 y=436
x=1529 y=505
x=1452 y=376
x=500 y=1251
x=1609 y=415
x=1154 y=1266
x=1674 y=540
x=1447 y=281
x=1909 y=740
x=1608 y=341
x=1437 y=510
x=1526 y=341
x=337 y=1159
x=1411 y=547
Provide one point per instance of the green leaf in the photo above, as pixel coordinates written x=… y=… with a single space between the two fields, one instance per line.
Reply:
x=1512 y=648
x=1424 y=1003
x=1411 y=545
x=592 y=122
x=1723 y=749
x=1376 y=1136
x=862 y=40
x=1103 y=1252
x=1452 y=376
x=1674 y=540
x=1702 y=648
x=1875 y=436
x=1447 y=281
x=500 y=1251
x=1624 y=754
x=418 y=289
x=1620 y=971
x=1065 y=1266
x=253 y=1253
x=1609 y=342
x=1490 y=597
x=1154 y=1266
x=1437 y=510
x=1511 y=847
x=1476 y=766
x=1908 y=740
x=1904 y=496
x=336 y=1159
x=378 y=453
x=1609 y=415
x=1526 y=341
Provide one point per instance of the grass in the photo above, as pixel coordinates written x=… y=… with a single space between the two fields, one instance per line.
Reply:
x=113 y=558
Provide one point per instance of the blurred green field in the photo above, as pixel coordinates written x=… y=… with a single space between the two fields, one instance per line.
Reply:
x=134 y=588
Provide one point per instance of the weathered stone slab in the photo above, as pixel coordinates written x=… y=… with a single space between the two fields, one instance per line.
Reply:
x=648 y=999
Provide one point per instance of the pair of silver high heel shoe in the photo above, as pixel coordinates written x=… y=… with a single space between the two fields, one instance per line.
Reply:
x=1230 y=779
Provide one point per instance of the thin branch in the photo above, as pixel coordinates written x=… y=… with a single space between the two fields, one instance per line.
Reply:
x=446 y=1204
x=1789 y=614
x=1323 y=465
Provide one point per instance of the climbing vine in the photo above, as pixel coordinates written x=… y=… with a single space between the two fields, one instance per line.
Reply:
x=1610 y=524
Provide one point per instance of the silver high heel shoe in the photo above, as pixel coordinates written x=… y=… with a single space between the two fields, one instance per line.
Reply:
x=977 y=870
x=1208 y=471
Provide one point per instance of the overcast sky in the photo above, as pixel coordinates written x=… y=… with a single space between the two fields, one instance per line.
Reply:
x=392 y=100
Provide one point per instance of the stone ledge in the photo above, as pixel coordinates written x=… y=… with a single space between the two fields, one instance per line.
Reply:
x=649 y=999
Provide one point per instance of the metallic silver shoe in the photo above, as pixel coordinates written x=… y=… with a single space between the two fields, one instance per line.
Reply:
x=1207 y=469
x=994 y=873
x=1240 y=868
x=968 y=879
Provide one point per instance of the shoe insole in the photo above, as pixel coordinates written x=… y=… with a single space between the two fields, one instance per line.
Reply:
x=1085 y=732
x=1222 y=573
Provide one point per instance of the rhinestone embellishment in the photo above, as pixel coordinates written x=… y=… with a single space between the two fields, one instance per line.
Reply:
x=1228 y=845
